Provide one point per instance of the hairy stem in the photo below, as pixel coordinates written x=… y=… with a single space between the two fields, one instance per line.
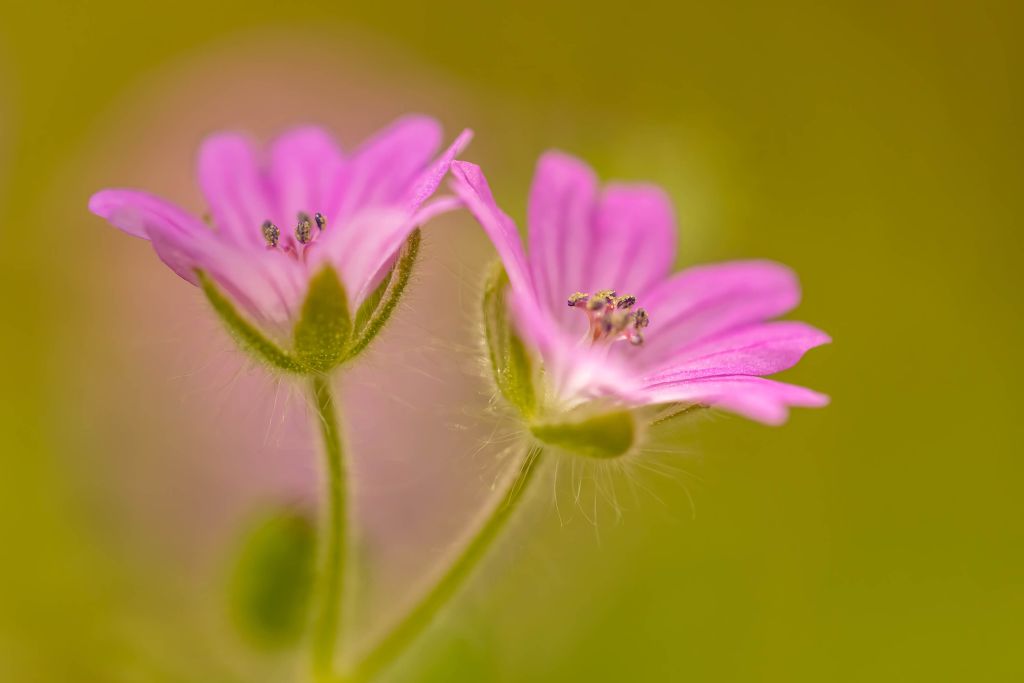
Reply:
x=420 y=616
x=332 y=572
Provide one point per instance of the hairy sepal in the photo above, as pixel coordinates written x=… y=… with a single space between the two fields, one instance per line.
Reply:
x=245 y=333
x=376 y=310
x=322 y=333
x=509 y=360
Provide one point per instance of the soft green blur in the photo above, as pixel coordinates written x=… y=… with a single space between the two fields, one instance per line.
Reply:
x=876 y=147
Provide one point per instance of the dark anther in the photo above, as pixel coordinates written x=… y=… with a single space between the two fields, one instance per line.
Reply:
x=321 y=222
x=625 y=301
x=642 y=319
x=271 y=233
x=578 y=298
x=304 y=229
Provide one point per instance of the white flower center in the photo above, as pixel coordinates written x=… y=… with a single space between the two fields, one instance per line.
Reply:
x=611 y=317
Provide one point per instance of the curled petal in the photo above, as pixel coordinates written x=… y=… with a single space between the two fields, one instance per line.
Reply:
x=469 y=183
x=429 y=180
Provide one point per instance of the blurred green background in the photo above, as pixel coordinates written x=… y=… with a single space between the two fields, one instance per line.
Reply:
x=876 y=147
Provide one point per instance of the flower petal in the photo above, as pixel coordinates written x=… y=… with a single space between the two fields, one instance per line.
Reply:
x=429 y=180
x=533 y=320
x=704 y=301
x=382 y=170
x=238 y=193
x=305 y=166
x=469 y=183
x=383 y=231
x=364 y=245
x=560 y=215
x=633 y=243
x=761 y=349
x=268 y=285
x=757 y=398
x=142 y=214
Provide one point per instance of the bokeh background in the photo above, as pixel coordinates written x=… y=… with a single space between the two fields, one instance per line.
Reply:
x=876 y=147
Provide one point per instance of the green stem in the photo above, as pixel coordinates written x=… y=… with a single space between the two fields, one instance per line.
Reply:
x=325 y=633
x=413 y=623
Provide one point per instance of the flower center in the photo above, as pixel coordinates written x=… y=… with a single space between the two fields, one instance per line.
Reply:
x=303 y=233
x=611 y=316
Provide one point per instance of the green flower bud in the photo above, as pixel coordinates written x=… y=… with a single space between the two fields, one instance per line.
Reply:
x=272 y=578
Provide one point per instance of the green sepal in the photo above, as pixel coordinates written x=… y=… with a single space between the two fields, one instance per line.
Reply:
x=272 y=579
x=509 y=360
x=603 y=436
x=244 y=332
x=324 y=326
x=375 y=311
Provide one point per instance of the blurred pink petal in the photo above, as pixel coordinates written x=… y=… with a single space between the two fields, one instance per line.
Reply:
x=235 y=188
x=142 y=214
x=305 y=170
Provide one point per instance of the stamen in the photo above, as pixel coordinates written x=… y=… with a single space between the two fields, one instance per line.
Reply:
x=578 y=298
x=611 y=317
x=271 y=233
x=304 y=229
x=321 y=222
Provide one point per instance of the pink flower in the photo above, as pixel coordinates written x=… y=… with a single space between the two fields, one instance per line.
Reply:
x=596 y=299
x=279 y=216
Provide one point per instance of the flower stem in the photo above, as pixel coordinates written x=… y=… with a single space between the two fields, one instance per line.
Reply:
x=417 y=619
x=331 y=576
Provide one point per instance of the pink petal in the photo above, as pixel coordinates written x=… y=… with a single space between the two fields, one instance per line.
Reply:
x=364 y=244
x=305 y=166
x=633 y=240
x=708 y=300
x=142 y=214
x=533 y=320
x=236 y=190
x=469 y=183
x=432 y=177
x=560 y=214
x=268 y=285
x=382 y=170
x=761 y=349
x=757 y=398
x=384 y=232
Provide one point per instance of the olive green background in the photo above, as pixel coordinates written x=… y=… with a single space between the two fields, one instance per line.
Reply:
x=876 y=147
